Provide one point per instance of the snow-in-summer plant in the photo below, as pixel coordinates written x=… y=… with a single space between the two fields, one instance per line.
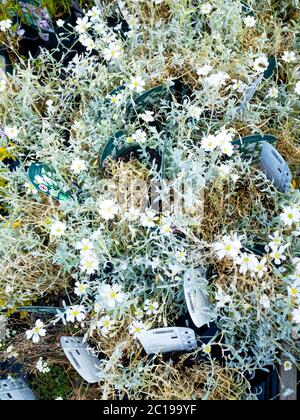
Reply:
x=116 y=258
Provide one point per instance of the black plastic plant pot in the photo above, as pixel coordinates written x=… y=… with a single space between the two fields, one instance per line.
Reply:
x=40 y=32
x=180 y=91
x=271 y=68
x=117 y=21
x=37 y=27
x=250 y=147
x=6 y=66
x=12 y=164
x=13 y=368
x=246 y=9
x=69 y=46
x=265 y=385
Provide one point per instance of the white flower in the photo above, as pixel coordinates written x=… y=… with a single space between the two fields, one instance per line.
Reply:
x=60 y=23
x=11 y=132
x=147 y=116
x=113 y=52
x=265 y=301
x=222 y=299
x=136 y=328
x=132 y=214
x=238 y=85
x=195 y=112
x=58 y=228
x=296 y=316
x=80 y=288
x=75 y=313
x=87 y=42
x=3 y=83
x=297 y=88
x=59 y=399
x=296 y=275
x=89 y=263
x=294 y=290
x=149 y=218
x=136 y=84
x=216 y=80
x=165 y=226
x=250 y=22
x=166 y=229
x=94 y=14
x=289 y=57
x=100 y=28
x=206 y=348
x=140 y=137
x=117 y=99
x=273 y=93
x=229 y=247
x=30 y=188
x=42 y=366
x=139 y=313
x=204 y=70
x=287 y=366
x=180 y=255
x=85 y=245
x=5 y=25
x=260 y=268
x=290 y=215
x=278 y=255
x=226 y=171
x=78 y=166
x=261 y=64
x=37 y=331
x=108 y=209
x=151 y=307
x=227 y=148
x=246 y=262
x=206 y=9
x=50 y=107
x=112 y=295
x=105 y=324
x=82 y=25
x=11 y=351
x=209 y=143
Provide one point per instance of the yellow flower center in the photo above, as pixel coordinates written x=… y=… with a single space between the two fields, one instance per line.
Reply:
x=294 y=291
x=89 y=264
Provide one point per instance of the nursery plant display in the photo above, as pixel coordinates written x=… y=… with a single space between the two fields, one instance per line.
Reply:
x=149 y=199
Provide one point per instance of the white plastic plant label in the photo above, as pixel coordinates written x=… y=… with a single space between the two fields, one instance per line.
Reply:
x=168 y=339
x=2 y=327
x=197 y=302
x=275 y=168
x=82 y=358
x=15 y=390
